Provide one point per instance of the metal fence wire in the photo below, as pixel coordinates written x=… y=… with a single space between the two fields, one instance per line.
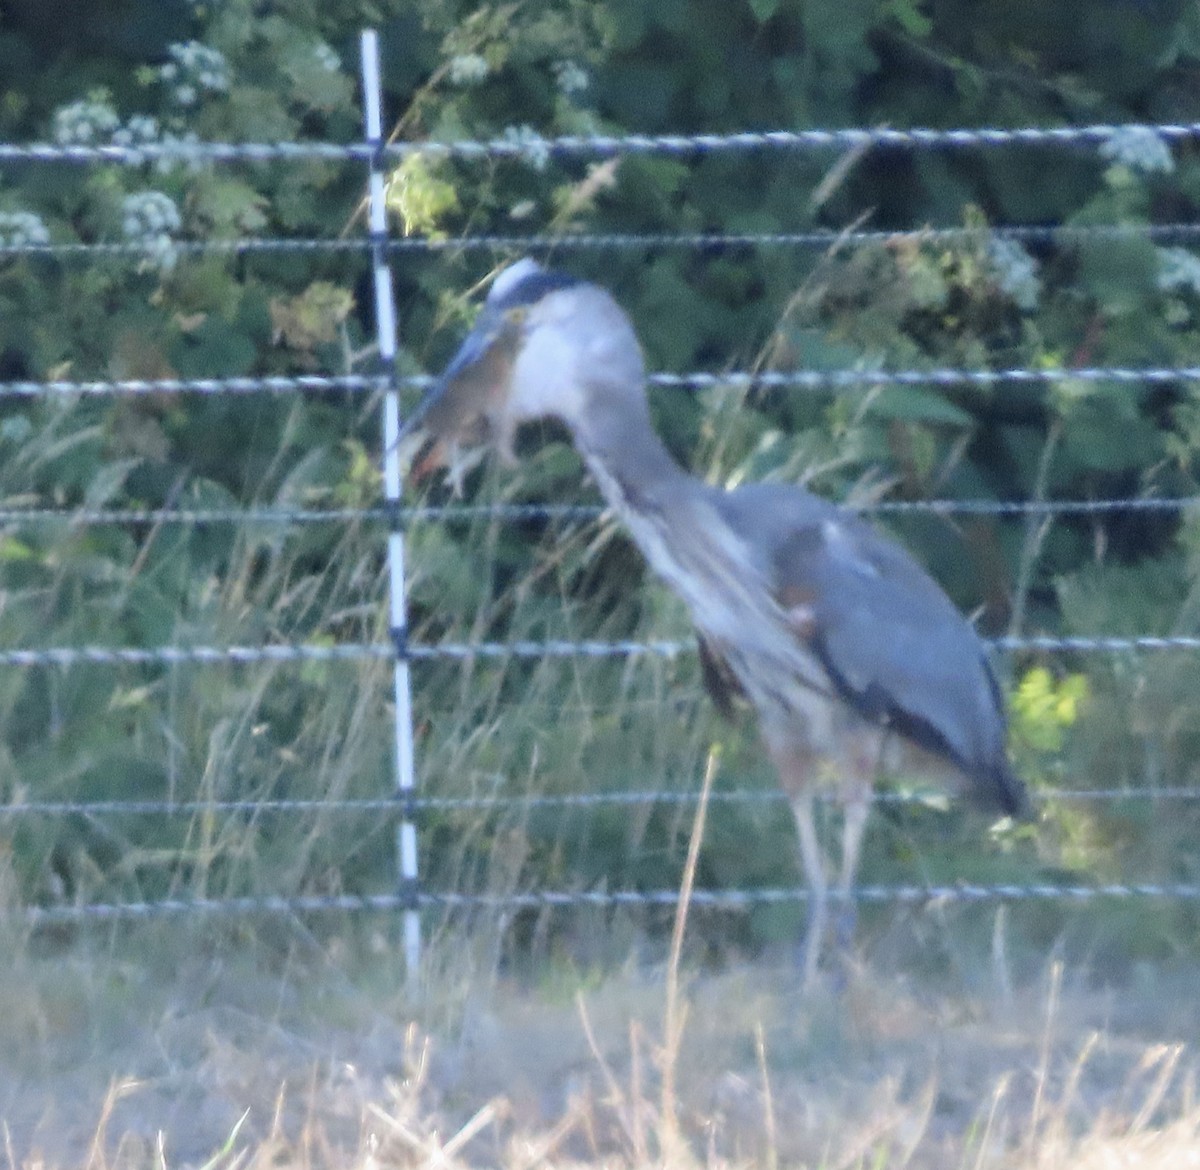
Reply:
x=360 y=247
x=376 y=248
x=535 y=149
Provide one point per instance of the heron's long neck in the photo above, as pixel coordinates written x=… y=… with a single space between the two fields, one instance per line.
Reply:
x=667 y=511
x=628 y=459
x=683 y=532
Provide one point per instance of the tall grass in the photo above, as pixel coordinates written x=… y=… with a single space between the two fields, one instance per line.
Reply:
x=510 y=728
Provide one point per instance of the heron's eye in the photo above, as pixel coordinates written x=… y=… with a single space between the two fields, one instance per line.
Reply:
x=516 y=315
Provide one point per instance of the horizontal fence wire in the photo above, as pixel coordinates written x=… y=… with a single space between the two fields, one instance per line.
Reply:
x=517 y=513
x=348 y=651
x=396 y=806
x=692 y=380
x=913 y=895
x=1179 y=233
x=338 y=652
x=826 y=379
x=69 y=656
x=420 y=514
x=269 y=384
x=537 y=149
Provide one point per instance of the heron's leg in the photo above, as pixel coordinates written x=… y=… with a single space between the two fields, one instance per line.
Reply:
x=814 y=874
x=855 y=812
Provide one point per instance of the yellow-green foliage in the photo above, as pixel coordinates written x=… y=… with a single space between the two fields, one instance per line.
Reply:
x=1044 y=707
x=420 y=198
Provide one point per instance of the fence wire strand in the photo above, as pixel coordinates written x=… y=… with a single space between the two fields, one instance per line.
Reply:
x=70 y=656
x=519 y=513
x=536 y=149
x=360 y=246
x=273 y=384
x=912 y=895
x=395 y=806
x=811 y=380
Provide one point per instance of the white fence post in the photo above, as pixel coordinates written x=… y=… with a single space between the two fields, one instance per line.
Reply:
x=385 y=324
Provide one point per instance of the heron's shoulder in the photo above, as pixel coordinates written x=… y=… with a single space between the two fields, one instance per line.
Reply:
x=776 y=507
x=809 y=539
x=788 y=520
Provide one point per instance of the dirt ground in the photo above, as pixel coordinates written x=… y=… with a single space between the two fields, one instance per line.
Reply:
x=126 y=1054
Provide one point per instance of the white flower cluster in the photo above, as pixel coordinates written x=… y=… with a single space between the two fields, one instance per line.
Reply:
x=86 y=122
x=194 y=68
x=1178 y=270
x=1015 y=271
x=467 y=69
x=326 y=57
x=1139 y=148
x=183 y=144
x=21 y=228
x=140 y=130
x=571 y=77
x=93 y=122
x=530 y=143
x=143 y=130
x=148 y=218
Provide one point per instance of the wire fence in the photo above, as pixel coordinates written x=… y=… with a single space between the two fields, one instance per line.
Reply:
x=723 y=900
x=568 y=513
x=357 y=247
x=397 y=806
x=808 y=380
x=536 y=149
x=405 y=805
x=70 y=656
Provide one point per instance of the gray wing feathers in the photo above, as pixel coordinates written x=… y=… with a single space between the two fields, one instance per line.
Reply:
x=892 y=641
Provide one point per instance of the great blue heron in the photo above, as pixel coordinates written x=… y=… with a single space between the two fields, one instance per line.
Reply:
x=847 y=649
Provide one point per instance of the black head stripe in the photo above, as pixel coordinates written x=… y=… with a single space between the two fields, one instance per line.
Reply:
x=534 y=287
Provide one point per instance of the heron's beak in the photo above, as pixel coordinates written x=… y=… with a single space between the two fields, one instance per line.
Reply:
x=465 y=405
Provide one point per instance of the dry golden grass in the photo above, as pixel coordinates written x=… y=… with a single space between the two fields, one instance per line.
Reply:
x=228 y=1066
x=170 y=1054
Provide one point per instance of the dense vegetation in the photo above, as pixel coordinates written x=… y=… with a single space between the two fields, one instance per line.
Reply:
x=141 y=71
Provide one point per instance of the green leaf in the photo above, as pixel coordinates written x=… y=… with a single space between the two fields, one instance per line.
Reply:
x=764 y=9
x=913 y=404
x=12 y=549
x=1120 y=273
x=907 y=14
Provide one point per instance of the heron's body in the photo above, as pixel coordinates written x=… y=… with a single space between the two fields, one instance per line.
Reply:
x=842 y=644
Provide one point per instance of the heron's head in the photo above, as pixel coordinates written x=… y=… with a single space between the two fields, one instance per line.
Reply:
x=545 y=345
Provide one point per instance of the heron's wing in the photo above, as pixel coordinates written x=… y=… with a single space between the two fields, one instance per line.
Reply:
x=892 y=642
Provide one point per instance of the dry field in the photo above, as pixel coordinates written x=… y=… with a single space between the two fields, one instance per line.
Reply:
x=167 y=1047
